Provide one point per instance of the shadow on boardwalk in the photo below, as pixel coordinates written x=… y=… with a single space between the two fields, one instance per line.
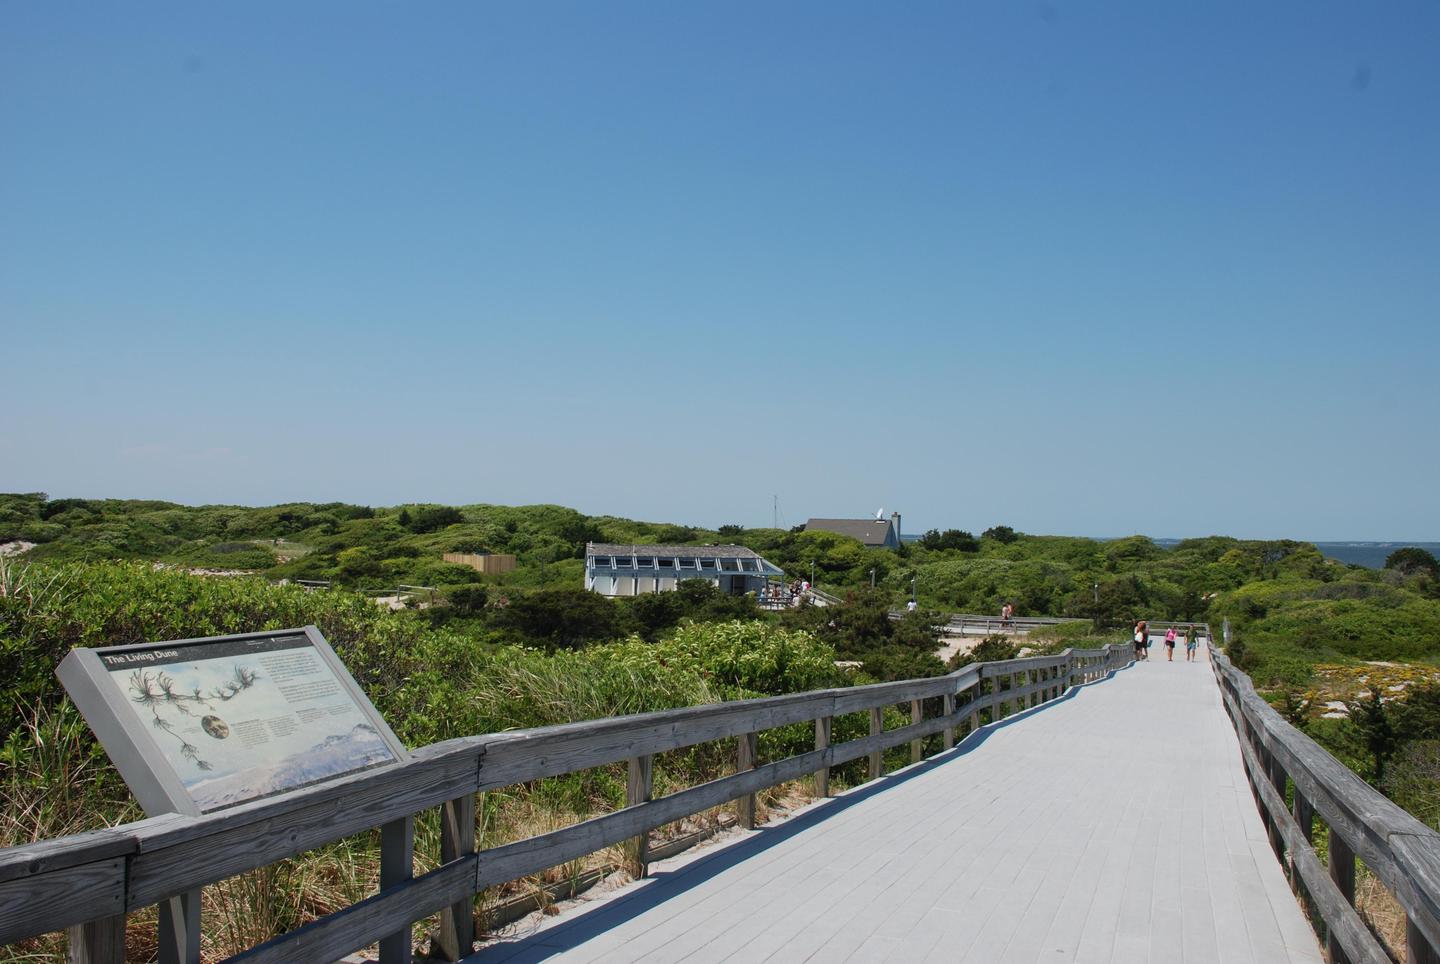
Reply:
x=662 y=886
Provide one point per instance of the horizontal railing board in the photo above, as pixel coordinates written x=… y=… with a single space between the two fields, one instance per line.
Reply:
x=1344 y=922
x=238 y=840
x=1400 y=850
x=171 y=854
x=926 y=689
x=522 y=756
x=1419 y=854
x=169 y=830
x=360 y=925
x=58 y=898
x=535 y=854
x=46 y=856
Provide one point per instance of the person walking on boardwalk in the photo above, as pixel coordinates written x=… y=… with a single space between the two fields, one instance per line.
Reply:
x=1170 y=644
x=1140 y=637
x=1190 y=639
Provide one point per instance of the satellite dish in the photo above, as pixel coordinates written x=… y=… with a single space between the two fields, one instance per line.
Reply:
x=880 y=514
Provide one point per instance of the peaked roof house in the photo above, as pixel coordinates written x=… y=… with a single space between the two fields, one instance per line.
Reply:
x=874 y=533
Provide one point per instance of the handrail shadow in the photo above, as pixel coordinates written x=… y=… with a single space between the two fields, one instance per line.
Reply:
x=660 y=887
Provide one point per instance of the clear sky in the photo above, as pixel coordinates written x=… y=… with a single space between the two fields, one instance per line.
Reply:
x=1093 y=268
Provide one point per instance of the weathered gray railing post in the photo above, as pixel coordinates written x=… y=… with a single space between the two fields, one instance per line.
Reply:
x=98 y=941
x=1418 y=950
x=949 y=710
x=1342 y=871
x=916 y=715
x=639 y=785
x=397 y=864
x=877 y=726
x=180 y=929
x=822 y=741
x=456 y=938
x=747 y=750
x=168 y=861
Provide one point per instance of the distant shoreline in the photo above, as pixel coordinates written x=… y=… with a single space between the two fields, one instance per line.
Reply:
x=1371 y=555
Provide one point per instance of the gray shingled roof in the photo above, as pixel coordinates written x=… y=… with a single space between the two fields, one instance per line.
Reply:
x=679 y=552
x=872 y=532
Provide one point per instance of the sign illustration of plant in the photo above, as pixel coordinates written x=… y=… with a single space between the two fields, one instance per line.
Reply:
x=157 y=691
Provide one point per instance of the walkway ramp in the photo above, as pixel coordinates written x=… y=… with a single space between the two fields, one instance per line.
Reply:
x=1114 y=824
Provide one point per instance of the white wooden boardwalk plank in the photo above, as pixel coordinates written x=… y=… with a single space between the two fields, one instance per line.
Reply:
x=1114 y=825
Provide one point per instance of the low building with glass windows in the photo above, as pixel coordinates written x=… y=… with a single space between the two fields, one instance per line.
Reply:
x=623 y=570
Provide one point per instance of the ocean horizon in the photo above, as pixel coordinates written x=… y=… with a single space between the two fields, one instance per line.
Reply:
x=1371 y=555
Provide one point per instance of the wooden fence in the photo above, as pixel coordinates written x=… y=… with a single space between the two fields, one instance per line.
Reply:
x=1398 y=849
x=88 y=883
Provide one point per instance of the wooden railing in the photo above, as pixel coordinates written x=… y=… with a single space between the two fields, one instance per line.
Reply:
x=967 y=624
x=1399 y=850
x=89 y=882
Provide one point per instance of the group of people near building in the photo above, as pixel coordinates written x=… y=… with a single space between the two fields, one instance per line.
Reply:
x=778 y=595
x=1186 y=637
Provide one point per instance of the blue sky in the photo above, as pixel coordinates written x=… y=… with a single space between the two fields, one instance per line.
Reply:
x=1074 y=268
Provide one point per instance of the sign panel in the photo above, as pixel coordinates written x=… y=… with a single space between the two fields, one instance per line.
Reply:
x=211 y=723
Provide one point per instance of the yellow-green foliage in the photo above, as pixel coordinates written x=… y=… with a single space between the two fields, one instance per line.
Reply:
x=1351 y=681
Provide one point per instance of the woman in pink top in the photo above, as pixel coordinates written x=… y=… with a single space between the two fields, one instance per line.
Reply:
x=1170 y=644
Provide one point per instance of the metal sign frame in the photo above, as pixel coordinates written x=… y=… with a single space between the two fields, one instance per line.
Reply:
x=135 y=748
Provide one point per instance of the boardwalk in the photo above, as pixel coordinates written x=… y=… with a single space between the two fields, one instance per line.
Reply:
x=1112 y=825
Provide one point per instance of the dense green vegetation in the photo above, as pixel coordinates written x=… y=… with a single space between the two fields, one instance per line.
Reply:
x=1290 y=608
x=430 y=681
x=530 y=647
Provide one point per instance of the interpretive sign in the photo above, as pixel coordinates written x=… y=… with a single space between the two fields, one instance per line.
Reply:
x=199 y=725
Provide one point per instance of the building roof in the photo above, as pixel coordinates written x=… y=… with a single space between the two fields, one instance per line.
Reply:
x=872 y=532
x=679 y=552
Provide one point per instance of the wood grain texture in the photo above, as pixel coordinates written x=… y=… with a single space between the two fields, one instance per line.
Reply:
x=639 y=787
x=456 y=935
x=369 y=921
x=397 y=865
x=917 y=712
x=1401 y=851
x=56 y=899
x=1342 y=921
x=175 y=858
x=822 y=742
x=58 y=883
x=746 y=751
x=534 y=854
x=46 y=856
x=100 y=941
x=877 y=729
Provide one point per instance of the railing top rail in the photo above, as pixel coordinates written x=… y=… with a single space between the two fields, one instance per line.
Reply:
x=138 y=864
x=1403 y=852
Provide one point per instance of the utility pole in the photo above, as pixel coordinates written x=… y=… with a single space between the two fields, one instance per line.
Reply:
x=872 y=578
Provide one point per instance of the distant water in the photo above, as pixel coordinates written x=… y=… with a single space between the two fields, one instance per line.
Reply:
x=1371 y=555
